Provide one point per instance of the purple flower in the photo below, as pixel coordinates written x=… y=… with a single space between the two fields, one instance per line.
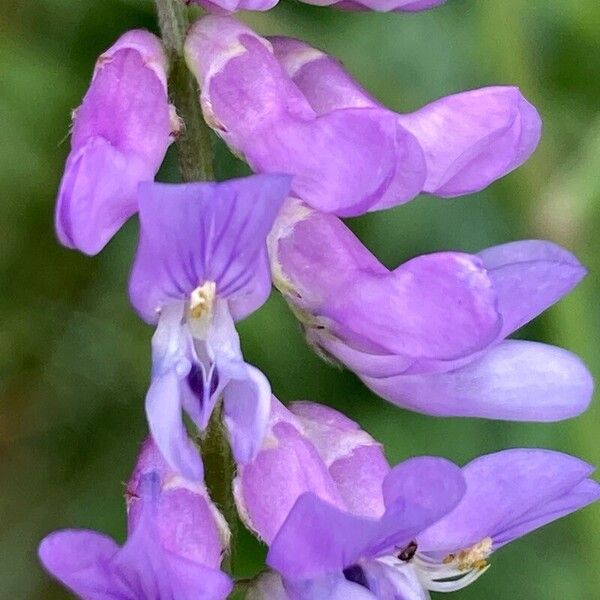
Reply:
x=283 y=105
x=371 y=538
x=175 y=543
x=342 y=162
x=201 y=264
x=317 y=471
x=469 y=139
x=430 y=335
x=120 y=135
x=227 y=6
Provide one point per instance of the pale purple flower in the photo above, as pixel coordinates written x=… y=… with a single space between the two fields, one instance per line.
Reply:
x=119 y=138
x=201 y=265
x=228 y=6
x=370 y=539
x=319 y=472
x=430 y=334
x=283 y=105
x=173 y=551
x=469 y=139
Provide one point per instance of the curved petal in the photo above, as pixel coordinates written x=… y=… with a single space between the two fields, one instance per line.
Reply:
x=436 y=306
x=515 y=380
x=163 y=409
x=581 y=495
x=79 y=559
x=198 y=232
x=318 y=538
x=503 y=489
x=121 y=133
x=247 y=404
x=97 y=195
x=529 y=276
x=473 y=138
x=394 y=582
x=341 y=161
x=356 y=462
x=321 y=78
x=286 y=467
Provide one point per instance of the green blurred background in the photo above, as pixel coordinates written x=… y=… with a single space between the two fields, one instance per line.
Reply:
x=74 y=359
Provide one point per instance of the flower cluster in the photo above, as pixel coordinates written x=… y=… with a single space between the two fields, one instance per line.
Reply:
x=430 y=335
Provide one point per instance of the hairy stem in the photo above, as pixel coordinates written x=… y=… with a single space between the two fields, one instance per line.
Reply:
x=219 y=470
x=193 y=142
x=196 y=164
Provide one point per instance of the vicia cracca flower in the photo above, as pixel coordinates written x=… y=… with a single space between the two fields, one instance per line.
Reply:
x=348 y=526
x=468 y=139
x=174 y=548
x=201 y=265
x=285 y=106
x=227 y=6
x=120 y=135
x=430 y=334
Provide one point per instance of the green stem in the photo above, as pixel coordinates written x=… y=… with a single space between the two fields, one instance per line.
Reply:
x=194 y=146
x=219 y=470
x=196 y=164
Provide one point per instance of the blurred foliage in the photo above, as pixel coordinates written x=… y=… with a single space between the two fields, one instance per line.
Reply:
x=74 y=359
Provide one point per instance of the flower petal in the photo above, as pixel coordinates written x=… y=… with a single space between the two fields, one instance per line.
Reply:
x=198 y=232
x=79 y=559
x=515 y=380
x=437 y=306
x=246 y=403
x=288 y=465
x=163 y=409
x=581 y=495
x=473 y=138
x=121 y=133
x=341 y=161
x=356 y=462
x=503 y=489
x=97 y=195
x=318 y=538
x=528 y=277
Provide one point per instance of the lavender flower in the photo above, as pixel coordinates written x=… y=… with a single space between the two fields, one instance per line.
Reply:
x=357 y=529
x=173 y=551
x=201 y=264
x=283 y=105
x=469 y=139
x=120 y=135
x=227 y=6
x=430 y=335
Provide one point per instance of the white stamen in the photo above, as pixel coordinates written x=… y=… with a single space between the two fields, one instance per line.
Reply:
x=201 y=308
x=455 y=571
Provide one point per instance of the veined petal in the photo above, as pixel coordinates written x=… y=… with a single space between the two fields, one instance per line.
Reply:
x=198 y=232
x=505 y=489
x=321 y=78
x=515 y=380
x=469 y=139
x=528 y=277
x=356 y=462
